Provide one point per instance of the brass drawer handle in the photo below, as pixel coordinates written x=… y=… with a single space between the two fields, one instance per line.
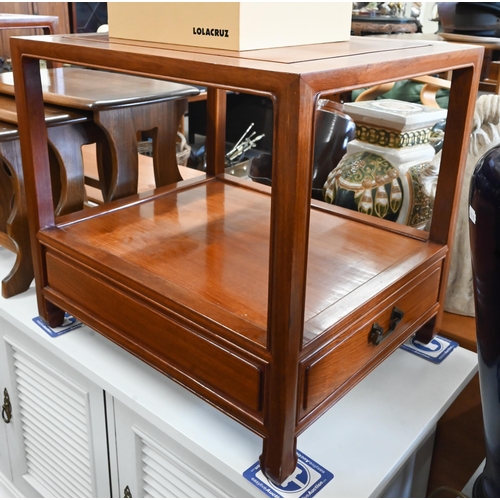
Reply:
x=6 y=407
x=377 y=332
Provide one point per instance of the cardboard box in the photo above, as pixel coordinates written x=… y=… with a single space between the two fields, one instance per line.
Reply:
x=231 y=25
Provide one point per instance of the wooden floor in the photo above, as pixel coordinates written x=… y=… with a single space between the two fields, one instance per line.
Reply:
x=459 y=446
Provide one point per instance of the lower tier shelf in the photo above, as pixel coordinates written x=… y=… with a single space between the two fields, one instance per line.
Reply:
x=180 y=279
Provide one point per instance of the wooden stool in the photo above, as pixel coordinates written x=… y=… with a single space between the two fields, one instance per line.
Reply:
x=122 y=105
x=67 y=132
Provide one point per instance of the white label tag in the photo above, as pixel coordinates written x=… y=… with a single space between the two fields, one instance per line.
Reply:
x=472 y=214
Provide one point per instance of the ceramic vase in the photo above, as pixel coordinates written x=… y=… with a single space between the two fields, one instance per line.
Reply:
x=385 y=167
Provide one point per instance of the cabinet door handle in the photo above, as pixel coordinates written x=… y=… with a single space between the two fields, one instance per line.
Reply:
x=127 y=493
x=377 y=332
x=6 y=407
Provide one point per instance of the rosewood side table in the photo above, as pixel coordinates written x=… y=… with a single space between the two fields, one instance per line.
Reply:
x=263 y=303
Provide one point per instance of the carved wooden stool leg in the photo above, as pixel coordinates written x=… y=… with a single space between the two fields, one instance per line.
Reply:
x=165 y=117
x=66 y=142
x=104 y=160
x=119 y=164
x=16 y=237
x=120 y=131
x=6 y=195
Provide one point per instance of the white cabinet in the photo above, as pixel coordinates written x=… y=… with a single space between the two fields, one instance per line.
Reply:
x=67 y=438
x=5 y=470
x=56 y=438
x=152 y=464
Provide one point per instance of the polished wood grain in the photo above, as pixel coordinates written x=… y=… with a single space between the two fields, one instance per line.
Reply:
x=49 y=24
x=14 y=233
x=122 y=106
x=54 y=115
x=218 y=274
x=14 y=230
x=30 y=18
x=213 y=214
x=85 y=89
x=461 y=329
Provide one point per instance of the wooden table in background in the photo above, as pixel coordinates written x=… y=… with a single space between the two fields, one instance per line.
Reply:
x=122 y=106
x=377 y=25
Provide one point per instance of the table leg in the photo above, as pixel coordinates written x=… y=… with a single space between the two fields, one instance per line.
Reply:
x=160 y=121
x=66 y=142
x=119 y=164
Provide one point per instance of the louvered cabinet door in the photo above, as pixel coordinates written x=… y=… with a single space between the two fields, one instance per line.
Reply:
x=151 y=464
x=5 y=468
x=57 y=434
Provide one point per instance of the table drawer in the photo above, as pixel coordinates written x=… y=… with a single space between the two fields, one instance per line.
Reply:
x=187 y=356
x=327 y=373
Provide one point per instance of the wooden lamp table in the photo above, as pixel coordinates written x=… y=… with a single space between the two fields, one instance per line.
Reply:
x=264 y=304
x=122 y=106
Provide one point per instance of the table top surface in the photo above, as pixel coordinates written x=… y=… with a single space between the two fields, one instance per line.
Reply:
x=484 y=41
x=53 y=115
x=403 y=398
x=282 y=65
x=84 y=88
x=207 y=248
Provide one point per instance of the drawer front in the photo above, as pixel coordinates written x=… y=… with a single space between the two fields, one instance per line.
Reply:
x=211 y=370
x=334 y=369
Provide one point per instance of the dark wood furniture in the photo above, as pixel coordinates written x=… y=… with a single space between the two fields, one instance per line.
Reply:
x=382 y=25
x=48 y=24
x=67 y=132
x=122 y=106
x=30 y=18
x=266 y=305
